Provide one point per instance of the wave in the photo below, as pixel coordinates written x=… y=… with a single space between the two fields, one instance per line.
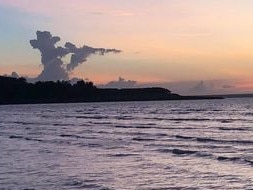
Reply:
x=249 y=114
x=16 y=137
x=207 y=140
x=92 y=117
x=63 y=124
x=93 y=111
x=248 y=142
x=84 y=184
x=25 y=138
x=196 y=110
x=28 y=123
x=130 y=127
x=122 y=155
x=232 y=129
x=143 y=139
x=183 y=137
x=76 y=136
x=94 y=145
x=204 y=119
x=51 y=141
x=100 y=123
x=160 y=134
x=124 y=117
x=235 y=159
x=179 y=119
x=184 y=152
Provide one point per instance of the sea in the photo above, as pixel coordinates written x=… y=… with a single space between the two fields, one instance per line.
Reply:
x=158 y=145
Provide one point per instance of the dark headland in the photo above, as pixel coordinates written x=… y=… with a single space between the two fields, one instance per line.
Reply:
x=18 y=91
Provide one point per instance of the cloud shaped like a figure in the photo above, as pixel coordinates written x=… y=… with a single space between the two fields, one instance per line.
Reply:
x=51 y=56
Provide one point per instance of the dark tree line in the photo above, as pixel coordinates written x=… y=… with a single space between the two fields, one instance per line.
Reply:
x=18 y=91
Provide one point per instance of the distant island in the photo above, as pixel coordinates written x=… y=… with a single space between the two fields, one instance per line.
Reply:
x=19 y=91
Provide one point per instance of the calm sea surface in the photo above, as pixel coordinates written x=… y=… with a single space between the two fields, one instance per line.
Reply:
x=205 y=144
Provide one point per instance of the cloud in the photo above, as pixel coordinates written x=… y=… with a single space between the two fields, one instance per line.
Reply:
x=51 y=56
x=199 y=88
x=227 y=86
x=120 y=83
x=14 y=75
x=80 y=55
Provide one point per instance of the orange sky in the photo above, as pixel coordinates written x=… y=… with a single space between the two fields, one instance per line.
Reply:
x=162 y=40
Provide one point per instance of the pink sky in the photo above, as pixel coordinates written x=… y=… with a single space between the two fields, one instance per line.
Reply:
x=162 y=40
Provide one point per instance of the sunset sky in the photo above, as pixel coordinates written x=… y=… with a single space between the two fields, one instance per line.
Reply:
x=163 y=41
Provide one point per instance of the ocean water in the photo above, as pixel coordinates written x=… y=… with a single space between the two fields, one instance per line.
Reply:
x=204 y=144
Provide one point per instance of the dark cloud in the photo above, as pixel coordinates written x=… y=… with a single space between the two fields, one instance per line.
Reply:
x=80 y=55
x=51 y=56
x=120 y=83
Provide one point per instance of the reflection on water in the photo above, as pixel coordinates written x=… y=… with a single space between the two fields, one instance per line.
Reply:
x=130 y=145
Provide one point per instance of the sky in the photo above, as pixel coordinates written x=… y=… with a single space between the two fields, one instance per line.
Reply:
x=189 y=46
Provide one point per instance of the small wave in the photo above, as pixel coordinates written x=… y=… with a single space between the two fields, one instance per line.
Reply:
x=143 y=139
x=180 y=119
x=62 y=124
x=25 y=123
x=142 y=127
x=183 y=152
x=203 y=154
x=204 y=139
x=29 y=123
x=224 y=158
x=232 y=129
x=130 y=127
x=82 y=184
x=207 y=140
x=160 y=134
x=101 y=123
x=123 y=126
x=164 y=150
x=235 y=159
x=32 y=139
x=182 y=112
x=226 y=121
x=196 y=110
x=122 y=155
x=64 y=135
x=15 y=137
x=152 y=124
x=86 y=113
x=224 y=141
x=75 y=136
x=124 y=117
x=183 y=137
x=89 y=145
x=249 y=114
x=25 y=138
x=86 y=124
x=92 y=117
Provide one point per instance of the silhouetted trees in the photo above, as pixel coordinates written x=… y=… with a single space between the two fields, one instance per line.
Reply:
x=18 y=91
